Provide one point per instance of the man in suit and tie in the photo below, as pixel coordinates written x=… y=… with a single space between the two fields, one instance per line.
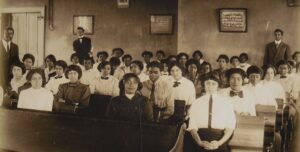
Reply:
x=277 y=50
x=9 y=54
x=82 y=45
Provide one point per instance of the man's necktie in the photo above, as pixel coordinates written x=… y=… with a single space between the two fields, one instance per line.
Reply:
x=152 y=96
x=8 y=48
x=240 y=94
x=210 y=111
x=176 y=84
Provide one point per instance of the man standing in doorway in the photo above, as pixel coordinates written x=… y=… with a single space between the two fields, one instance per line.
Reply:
x=9 y=54
x=277 y=50
x=82 y=45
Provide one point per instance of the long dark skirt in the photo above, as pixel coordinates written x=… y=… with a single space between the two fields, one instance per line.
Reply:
x=205 y=134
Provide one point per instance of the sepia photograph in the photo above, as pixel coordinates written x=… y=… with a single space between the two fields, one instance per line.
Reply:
x=150 y=76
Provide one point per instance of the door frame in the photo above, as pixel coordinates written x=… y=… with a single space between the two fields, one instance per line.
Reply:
x=37 y=9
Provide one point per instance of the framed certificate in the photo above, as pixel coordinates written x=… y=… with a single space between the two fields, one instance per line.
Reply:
x=161 y=24
x=233 y=20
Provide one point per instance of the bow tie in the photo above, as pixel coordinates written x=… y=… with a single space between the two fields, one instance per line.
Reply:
x=58 y=77
x=104 y=78
x=176 y=84
x=240 y=94
x=283 y=77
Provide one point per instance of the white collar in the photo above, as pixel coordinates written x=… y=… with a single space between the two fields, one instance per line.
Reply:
x=129 y=96
x=80 y=37
x=277 y=42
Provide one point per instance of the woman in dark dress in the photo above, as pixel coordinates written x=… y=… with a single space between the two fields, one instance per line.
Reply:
x=130 y=105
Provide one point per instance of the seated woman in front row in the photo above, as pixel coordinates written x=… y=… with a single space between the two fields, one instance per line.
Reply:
x=212 y=120
x=241 y=98
x=130 y=105
x=72 y=95
x=36 y=97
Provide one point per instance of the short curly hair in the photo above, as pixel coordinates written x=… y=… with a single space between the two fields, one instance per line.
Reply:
x=74 y=68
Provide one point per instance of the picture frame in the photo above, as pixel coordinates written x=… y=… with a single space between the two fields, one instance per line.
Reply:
x=84 y=21
x=162 y=24
x=123 y=3
x=233 y=20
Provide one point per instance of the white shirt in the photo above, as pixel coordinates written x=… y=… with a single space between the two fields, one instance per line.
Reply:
x=184 y=91
x=121 y=71
x=109 y=87
x=222 y=113
x=277 y=42
x=286 y=83
x=241 y=105
x=36 y=99
x=262 y=95
x=54 y=83
x=276 y=89
x=5 y=44
x=162 y=93
x=88 y=76
x=143 y=77
x=15 y=84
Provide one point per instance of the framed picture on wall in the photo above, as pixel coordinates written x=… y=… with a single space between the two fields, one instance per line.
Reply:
x=161 y=24
x=123 y=3
x=233 y=20
x=84 y=21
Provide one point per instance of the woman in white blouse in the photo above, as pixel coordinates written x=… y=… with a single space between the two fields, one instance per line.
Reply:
x=183 y=88
x=106 y=84
x=270 y=84
x=212 y=120
x=36 y=97
x=241 y=99
x=18 y=70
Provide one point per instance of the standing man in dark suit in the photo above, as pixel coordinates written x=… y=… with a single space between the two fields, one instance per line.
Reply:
x=277 y=50
x=9 y=54
x=82 y=45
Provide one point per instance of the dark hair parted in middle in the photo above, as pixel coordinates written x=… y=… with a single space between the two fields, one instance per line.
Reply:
x=20 y=65
x=74 y=68
x=211 y=76
x=102 y=65
x=173 y=64
x=28 y=56
x=62 y=64
x=254 y=70
x=127 y=77
x=193 y=61
x=138 y=63
x=232 y=71
x=155 y=64
x=40 y=72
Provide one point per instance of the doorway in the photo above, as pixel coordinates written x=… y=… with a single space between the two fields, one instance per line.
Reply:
x=28 y=24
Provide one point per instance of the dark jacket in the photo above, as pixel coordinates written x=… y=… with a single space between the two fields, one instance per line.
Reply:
x=82 y=49
x=137 y=109
x=273 y=54
x=73 y=94
x=7 y=58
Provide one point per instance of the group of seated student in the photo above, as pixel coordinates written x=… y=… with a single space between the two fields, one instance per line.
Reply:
x=147 y=90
